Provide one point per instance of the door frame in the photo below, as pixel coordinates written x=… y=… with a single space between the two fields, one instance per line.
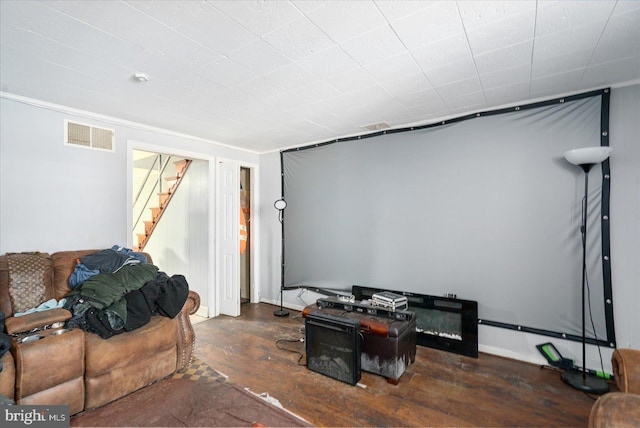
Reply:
x=227 y=195
x=211 y=222
x=254 y=234
x=254 y=216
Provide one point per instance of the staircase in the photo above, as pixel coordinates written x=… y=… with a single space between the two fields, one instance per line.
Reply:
x=162 y=188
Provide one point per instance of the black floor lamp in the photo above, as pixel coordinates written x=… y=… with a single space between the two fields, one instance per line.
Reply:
x=280 y=205
x=585 y=158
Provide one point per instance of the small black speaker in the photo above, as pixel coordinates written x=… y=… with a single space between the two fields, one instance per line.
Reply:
x=333 y=346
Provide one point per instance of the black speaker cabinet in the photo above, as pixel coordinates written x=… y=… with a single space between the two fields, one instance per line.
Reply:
x=333 y=346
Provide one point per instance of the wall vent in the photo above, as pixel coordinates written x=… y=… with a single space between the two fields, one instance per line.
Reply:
x=79 y=134
x=376 y=126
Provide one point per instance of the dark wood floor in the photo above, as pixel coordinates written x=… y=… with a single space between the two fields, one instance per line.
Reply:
x=440 y=389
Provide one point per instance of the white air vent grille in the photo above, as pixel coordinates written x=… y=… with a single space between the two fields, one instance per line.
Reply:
x=78 y=134
x=376 y=126
x=102 y=138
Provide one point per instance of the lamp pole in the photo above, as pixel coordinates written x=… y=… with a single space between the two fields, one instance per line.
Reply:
x=586 y=168
x=585 y=158
x=280 y=205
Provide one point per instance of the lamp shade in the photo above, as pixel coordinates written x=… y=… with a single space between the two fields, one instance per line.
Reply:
x=587 y=155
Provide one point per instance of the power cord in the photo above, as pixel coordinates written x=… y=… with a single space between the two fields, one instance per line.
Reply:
x=586 y=280
x=300 y=354
x=593 y=326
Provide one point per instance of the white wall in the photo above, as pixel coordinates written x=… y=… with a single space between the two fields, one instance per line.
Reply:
x=625 y=243
x=55 y=197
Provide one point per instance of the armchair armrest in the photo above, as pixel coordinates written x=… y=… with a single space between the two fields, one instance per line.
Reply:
x=615 y=409
x=187 y=336
x=626 y=369
x=8 y=377
x=193 y=303
x=33 y=320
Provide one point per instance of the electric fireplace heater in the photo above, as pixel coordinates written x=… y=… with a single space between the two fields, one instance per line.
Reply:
x=333 y=346
x=444 y=323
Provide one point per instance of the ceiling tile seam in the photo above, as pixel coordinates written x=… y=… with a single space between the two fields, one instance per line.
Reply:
x=473 y=57
x=604 y=28
x=378 y=83
x=212 y=4
x=28 y=30
x=106 y=33
x=56 y=64
x=197 y=42
x=56 y=42
x=81 y=22
x=350 y=95
x=412 y=58
x=314 y=23
x=142 y=12
x=261 y=38
x=336 y=43
x=173 y=29
x=533 y=47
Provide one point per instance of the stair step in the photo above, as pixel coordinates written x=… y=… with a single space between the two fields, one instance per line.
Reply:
x=154 y=212
x=163 y=198
x=179 y=166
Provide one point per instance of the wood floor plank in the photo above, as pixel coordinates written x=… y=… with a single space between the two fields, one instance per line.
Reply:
x=440 y=389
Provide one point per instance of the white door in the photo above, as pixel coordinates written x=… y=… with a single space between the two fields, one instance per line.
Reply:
x=228 y=233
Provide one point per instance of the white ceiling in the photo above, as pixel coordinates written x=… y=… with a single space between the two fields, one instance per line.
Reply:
x=265 y=75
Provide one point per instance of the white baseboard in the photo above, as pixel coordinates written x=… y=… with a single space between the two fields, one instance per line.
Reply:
x=203 y=311
x=500 y=352
x=288 y=305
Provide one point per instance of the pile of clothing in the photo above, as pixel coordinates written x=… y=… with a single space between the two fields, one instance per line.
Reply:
x=115 y=290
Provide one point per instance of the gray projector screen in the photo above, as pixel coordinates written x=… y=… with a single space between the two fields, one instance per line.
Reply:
x=484 y=207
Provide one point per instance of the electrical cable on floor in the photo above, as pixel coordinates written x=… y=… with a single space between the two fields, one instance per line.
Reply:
x=300 y=354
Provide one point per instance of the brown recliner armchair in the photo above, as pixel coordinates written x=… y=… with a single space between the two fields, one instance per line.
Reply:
x=73 y=367
x=7 y=377
x=620 y=409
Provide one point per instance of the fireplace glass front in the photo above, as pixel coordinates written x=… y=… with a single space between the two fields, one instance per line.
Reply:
x=333 y=346
x=445 y=323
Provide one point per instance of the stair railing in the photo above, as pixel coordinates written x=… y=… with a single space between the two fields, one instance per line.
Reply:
x=161 y=167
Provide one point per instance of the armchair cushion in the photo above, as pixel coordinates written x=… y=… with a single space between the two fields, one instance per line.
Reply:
x=36 y=320
x=616 y=410
x=626 y=369
x=29 y=280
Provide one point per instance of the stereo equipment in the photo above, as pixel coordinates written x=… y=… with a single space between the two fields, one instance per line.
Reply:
x=389 y=300
x=363 y=308
x=333 y=346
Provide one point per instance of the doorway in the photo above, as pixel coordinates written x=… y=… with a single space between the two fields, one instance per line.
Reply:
x=181 y=241
x=236 y=241
x=245 y=235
